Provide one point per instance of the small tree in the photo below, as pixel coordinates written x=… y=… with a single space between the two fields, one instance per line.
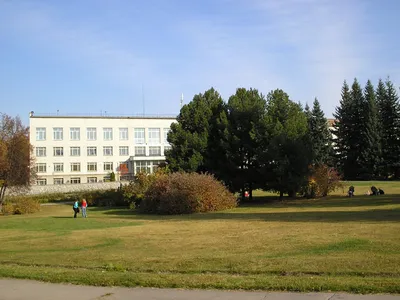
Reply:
x=16 y=164
x=112 y=176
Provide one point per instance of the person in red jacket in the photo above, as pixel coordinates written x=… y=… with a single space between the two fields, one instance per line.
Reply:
x=84 y=206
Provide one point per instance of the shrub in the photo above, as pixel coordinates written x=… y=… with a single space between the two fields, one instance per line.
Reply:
x=134 y=192
x=185 y=193
x=112 y=176
x=323 y=181
x=7 y=208
x=21 y=205
x=111 y=197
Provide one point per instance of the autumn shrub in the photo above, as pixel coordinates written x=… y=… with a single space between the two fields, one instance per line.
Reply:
x=7 y=208
x=133 y=193
x=20 y=206
x=185 y=193
x=323 y=180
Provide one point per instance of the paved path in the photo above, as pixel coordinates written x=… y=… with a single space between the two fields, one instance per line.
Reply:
x=13 y=289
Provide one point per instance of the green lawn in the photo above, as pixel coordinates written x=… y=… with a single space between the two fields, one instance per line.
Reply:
x=336 y=244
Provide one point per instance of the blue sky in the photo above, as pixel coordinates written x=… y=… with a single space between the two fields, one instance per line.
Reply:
x=95 y=55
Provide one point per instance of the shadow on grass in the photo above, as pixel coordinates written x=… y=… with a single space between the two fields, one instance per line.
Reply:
x=357 y=201
x=380 y=215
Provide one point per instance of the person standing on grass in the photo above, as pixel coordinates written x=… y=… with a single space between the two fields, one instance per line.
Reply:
x=76 y=208
x=84 y=206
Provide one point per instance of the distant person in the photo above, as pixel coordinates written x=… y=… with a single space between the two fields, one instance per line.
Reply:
x=351 y=191
x=374 y=191
x=84 y=206
x=76 y=208
x=381 y=192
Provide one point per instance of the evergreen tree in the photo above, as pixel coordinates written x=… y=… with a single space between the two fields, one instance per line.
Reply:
x=389 y=128
x=190 y=139
x=370 y=150
x=246 y=111
x=342 y=130
x=285 y=159
x=319 y=135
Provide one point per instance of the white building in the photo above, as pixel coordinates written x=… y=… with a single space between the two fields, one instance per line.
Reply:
x=71 y=150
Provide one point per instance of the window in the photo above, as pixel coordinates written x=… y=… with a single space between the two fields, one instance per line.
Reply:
x=107 y=134
x=139 y=135
x=154 y=151
x=154 y=136
x=57 y=134
x=58 y=181
x=123 y=150
x=40 y=168
x=108 y=166
x=75 y=167
x=142 y=166
x=41 y=181
x=91 y=134
x=92 y=179
x=166 y=130
x=58 y=151
x=40 y=151
x=40 y=134
x=123 y=134
x=107 y=150
x=75 y=180
x=58 y=167
x=92 y=166
x=166 y=148
x=91 y=151
x=75 y=151
x=140 y=151
x=75 y=134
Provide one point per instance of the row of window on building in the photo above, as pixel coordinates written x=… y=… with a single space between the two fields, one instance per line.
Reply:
x=154 y=134
x=140 y=166
x=107 y=151
x=73 y=180
x=74 y=167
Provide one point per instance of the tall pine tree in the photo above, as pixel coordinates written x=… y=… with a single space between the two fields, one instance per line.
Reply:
x=319 y=134
x=389 y=128
x=342 y=130
x=370 y=153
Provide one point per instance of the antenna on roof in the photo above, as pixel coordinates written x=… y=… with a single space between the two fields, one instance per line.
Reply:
x=144 y=109
x=181 y=100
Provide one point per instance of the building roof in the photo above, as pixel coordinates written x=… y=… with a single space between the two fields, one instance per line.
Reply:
x=102 y=116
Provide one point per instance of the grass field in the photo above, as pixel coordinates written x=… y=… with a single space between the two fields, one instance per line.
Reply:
x=332 y=244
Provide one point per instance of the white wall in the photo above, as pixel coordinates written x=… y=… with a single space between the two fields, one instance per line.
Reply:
x=99 y=123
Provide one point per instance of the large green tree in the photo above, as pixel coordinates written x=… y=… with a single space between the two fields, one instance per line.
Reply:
x=389 y=128
x=246 y=112
x=348 y=129
x=197 y=138
x=342 y=129
x=370 y=154
x=286 y=157
x=319 y=134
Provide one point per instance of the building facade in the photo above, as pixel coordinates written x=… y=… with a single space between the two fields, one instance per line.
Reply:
x=73 y=150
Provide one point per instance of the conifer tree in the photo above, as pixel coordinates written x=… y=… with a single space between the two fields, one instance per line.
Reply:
x=370 y=153
x=342 y=130
x=389 y=128
x=319 y=134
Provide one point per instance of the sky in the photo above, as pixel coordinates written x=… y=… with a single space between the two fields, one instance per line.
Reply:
x=127 y=57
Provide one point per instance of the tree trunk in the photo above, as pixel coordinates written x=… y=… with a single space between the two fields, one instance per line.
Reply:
x=250 y=191
x=2 y=194
x=281 y=195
